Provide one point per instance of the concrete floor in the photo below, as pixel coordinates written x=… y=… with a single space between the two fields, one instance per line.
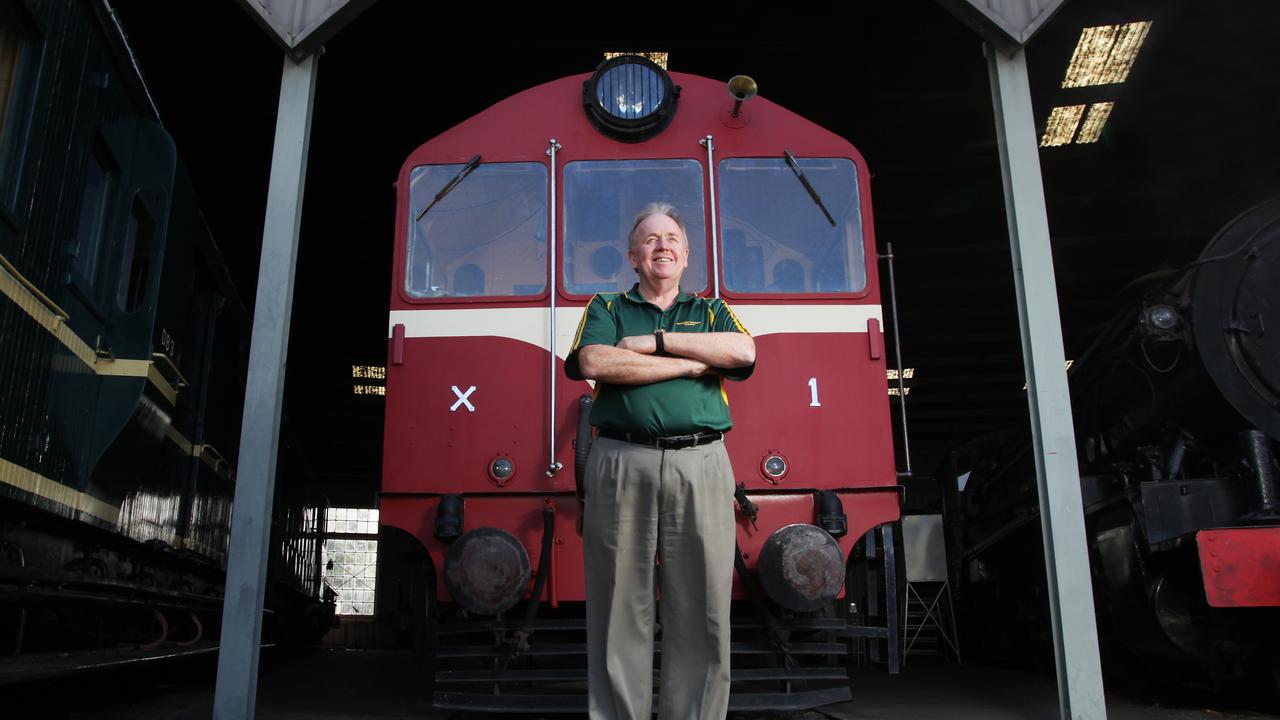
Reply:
x=934 y=691
x=377 y=685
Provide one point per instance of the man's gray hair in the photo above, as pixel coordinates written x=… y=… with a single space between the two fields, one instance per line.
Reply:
x=656 y=208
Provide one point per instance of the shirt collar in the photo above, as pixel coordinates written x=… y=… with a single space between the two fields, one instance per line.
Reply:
x=634 y=296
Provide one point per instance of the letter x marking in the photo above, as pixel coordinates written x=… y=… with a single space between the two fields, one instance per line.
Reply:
x=462 y=399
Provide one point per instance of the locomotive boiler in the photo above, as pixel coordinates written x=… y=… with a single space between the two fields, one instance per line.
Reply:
x=506 y=226
x=1177 y=411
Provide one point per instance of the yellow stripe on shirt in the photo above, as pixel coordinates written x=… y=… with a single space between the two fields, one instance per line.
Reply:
x=735 y=319
x=577 y=338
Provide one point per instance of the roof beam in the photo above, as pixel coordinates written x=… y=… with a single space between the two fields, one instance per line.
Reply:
x=1006 y=24
x=300 y=27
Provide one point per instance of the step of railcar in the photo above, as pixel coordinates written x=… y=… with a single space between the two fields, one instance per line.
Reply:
x=737 y=648
x=737 y=675
x=738 y=702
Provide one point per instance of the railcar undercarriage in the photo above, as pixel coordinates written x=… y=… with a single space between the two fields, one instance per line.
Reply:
x=525 y=661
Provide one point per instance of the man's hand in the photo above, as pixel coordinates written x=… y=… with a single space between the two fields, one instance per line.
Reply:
x=643 y=344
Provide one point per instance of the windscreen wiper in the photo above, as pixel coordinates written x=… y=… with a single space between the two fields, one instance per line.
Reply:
x=449 y=186
x=795 y=168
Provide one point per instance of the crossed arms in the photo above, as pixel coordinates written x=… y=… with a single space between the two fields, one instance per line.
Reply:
x=633 y=362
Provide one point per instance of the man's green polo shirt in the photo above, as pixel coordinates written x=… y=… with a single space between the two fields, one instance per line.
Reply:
x=672 y=407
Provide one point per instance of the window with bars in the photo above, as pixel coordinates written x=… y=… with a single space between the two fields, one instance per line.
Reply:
x=351 y=558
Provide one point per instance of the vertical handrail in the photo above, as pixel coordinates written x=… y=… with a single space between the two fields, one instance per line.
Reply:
x=707 y=143
x=897 y=352
x=553 y=467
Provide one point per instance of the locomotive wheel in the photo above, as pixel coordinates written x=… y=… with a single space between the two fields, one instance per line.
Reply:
x=197 y=629
x=161 y=628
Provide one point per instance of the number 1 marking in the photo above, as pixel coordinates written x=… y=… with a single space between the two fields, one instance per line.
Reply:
x=813 y=393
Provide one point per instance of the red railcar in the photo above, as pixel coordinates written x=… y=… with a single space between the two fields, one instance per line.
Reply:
x=506 y=226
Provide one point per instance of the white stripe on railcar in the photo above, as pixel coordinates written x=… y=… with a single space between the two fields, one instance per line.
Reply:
x=529 y=325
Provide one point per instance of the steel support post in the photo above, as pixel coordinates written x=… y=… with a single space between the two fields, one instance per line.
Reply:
x=1075 y=635
x=892 y=621
x=236 y=693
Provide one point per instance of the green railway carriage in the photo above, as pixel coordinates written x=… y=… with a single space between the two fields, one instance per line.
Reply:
x=122 y=350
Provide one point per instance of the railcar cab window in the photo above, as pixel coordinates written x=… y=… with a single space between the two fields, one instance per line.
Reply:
x=777 y=239
x=486 y=237
x=600 y=201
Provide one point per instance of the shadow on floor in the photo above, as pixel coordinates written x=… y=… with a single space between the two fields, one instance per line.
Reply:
x=379 y=685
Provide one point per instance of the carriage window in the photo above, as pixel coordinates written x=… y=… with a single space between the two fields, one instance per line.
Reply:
x=135 y=258
x=777 y=239
x=601 y=199
x=486 y=237
x=99 y=179
x=17 y=61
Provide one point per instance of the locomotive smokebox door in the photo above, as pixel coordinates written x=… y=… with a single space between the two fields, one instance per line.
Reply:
x=1234 y=297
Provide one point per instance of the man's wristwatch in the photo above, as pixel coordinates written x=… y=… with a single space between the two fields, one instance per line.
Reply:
x=657 y=339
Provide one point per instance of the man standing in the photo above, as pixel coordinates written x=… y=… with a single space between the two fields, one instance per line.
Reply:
x=658 y=483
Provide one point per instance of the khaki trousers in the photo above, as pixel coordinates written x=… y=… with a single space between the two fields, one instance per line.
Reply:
x=676 y=505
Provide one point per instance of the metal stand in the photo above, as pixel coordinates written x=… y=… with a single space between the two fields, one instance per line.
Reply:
x=931 y=618
x=929 y=608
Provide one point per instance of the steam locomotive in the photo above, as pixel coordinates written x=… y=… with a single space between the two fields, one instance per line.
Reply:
x=124 y=349
x=1177 y=410
x=506 y=226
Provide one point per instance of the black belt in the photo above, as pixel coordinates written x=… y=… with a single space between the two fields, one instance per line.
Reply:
x=670 y=442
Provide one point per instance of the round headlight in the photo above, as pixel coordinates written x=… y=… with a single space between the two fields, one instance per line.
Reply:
x=774 y=467
x=630 y=98
x=501 y=469
x=1162 y=317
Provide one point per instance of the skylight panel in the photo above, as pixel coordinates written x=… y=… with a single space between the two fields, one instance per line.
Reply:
x=1063 y=121
x=1105 y=54
x=658 y=58
x=366 y=373
x=1093 y=122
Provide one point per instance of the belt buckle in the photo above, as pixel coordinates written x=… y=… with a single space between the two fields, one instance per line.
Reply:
x=677 y=442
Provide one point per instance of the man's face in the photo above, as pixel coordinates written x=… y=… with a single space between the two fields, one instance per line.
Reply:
x=658 y=249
